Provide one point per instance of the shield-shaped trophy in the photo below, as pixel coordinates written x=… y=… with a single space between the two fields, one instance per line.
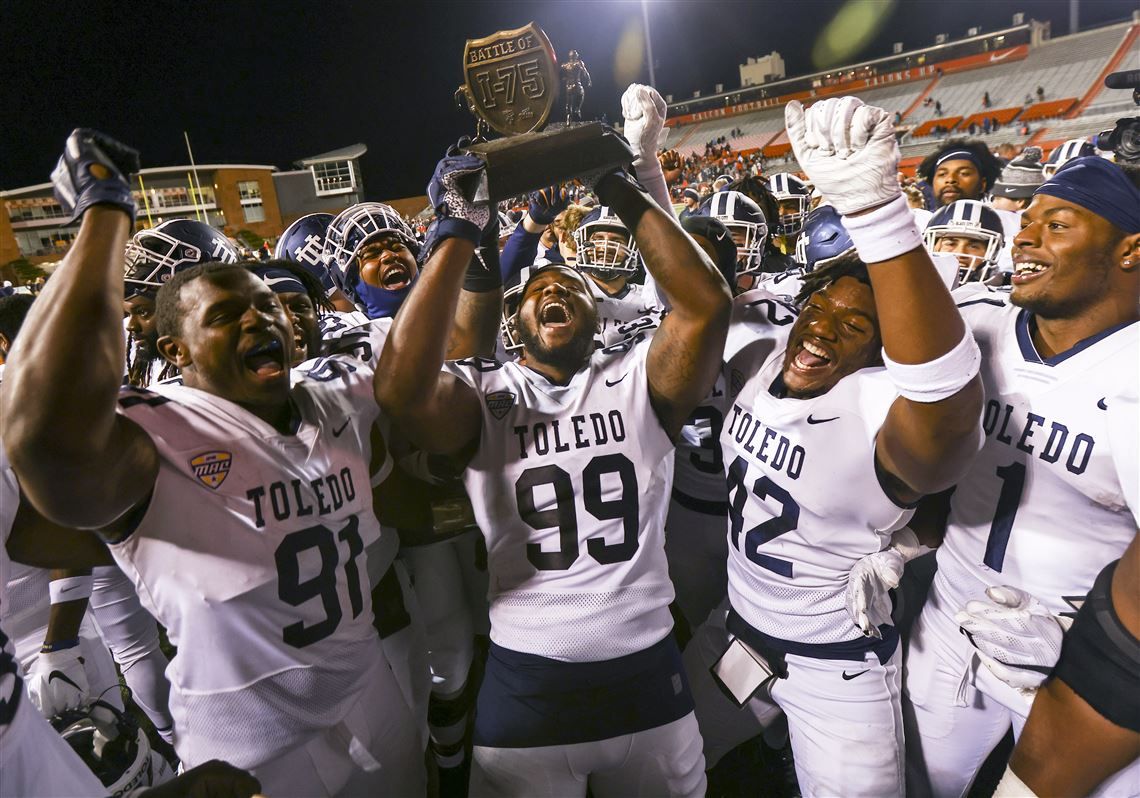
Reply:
x=512 y=80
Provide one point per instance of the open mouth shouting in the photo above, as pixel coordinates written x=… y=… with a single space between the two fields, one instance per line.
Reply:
x=554 y=314
x=266 y=360
x=812 y=357
x=395 y=276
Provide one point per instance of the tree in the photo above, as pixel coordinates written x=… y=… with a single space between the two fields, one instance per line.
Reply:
x=21 y=271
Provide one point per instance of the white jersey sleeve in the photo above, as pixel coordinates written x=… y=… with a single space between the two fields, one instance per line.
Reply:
x=698 y=474
x=570 y=486
x=251 y=552
x=1051 y=497
x=630 y=313
x=351 y=337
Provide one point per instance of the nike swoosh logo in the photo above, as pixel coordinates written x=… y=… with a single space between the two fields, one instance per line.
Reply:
x=1101 y=403
x=337 y=432
x=848 y=677
x=811 y=420
x=615 y=382
x=996 y=57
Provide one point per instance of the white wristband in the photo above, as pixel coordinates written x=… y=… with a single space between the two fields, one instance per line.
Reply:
x=940 y=378
x=884 y=233
x=70 y=588
x=1011 y=786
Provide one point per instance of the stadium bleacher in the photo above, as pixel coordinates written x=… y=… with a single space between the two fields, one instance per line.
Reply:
x=1069 y=69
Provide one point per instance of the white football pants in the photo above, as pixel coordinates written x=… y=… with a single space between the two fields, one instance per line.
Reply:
x=844 y=717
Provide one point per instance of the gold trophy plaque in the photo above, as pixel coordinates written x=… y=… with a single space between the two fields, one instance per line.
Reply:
x=512 y=79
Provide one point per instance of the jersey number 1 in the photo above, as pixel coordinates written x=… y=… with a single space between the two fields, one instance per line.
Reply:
x=1012 y=483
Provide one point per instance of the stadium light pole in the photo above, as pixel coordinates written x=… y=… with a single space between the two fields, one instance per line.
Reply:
x=648 y=40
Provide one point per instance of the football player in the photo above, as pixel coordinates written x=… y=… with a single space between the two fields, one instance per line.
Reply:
x=237 y=503
x=67 y=659
x=608 y=256
x=793 y=196
x=432 y=627
x=304 y=299
x=1050 y=499
x=1091 y=711
x=695 y=544
x=1065 y=152
x=568 y=467
x=972 y=232
x=749 y=229
x=152 y=257
x=304 y=242
x=959 y=169
x=826 y=451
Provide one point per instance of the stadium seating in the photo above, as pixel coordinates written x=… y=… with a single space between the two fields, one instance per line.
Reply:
x=1068 y=68
x=1065 y=68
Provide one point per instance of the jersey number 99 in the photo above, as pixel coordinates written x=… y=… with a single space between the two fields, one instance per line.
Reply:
x=564 y=515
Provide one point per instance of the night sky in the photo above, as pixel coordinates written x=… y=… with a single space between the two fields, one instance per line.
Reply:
x=270 y=83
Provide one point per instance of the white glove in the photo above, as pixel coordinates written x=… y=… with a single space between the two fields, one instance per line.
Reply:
x=644 y=111
x=868 y=603
x=57 y=681
x=848 y=151
x=1015 y=635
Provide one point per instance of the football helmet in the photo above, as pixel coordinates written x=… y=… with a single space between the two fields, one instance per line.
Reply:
x=747 y=225
x=303 y=242
x=512 y=298
x=348 y=232
x=1063 y=153
x=968 y=219
x=153 y=256
x=605 y=257
x=787 y=188
x=824 y=238
x=506 y=224
x=113 y=746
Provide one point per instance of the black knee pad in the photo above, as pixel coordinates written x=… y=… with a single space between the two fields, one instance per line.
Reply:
x=1100 y=658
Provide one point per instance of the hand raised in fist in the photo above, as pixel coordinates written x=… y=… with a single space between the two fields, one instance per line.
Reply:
x=848 y=151
x=93 y=170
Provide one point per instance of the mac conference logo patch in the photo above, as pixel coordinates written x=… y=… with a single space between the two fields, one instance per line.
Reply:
x=500 y=403
x=212 y=468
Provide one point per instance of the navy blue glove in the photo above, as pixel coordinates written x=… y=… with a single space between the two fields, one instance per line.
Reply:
x=483 y=273
x=458 y=217
x=593 y=179
x=93 y=171
x=547 y=203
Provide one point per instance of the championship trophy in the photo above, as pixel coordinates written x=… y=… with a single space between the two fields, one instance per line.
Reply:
x=511 y=85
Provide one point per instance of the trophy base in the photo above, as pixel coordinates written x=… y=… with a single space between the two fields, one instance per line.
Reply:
x=517 y=165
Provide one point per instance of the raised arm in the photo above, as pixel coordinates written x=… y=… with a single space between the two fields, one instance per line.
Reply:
x=435 y=411
x=685 y=355
x=932 y=430
x=79 y=463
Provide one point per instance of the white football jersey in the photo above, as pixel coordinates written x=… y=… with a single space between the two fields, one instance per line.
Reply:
x=1052 y=497
x=699 y=471
x=631 y=311
x=251 y=553
x=570 y=485
x=355 y=335
x=804 y=501
x=783 y=285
